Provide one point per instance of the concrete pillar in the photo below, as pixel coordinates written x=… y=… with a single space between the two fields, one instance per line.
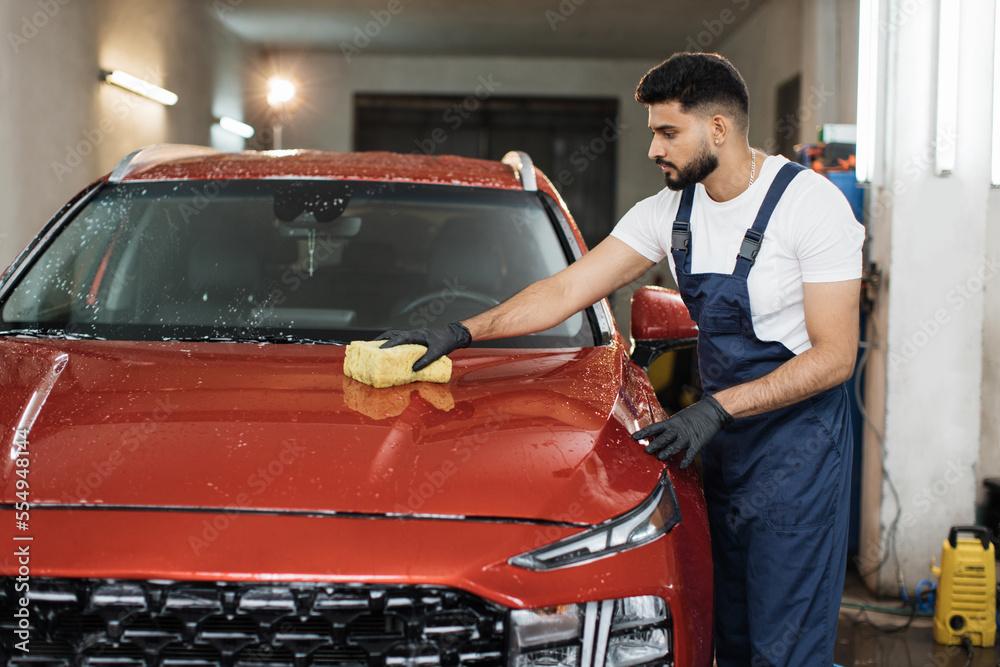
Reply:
x=928 y=234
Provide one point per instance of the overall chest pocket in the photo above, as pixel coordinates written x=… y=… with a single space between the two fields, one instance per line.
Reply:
x=721 y=346
x=720 y=319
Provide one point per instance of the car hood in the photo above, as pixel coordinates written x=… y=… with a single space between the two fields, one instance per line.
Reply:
x=538 y=435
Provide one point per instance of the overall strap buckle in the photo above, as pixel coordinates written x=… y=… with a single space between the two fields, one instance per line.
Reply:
x=751 y=245
x=752 y=239
x=680 y=236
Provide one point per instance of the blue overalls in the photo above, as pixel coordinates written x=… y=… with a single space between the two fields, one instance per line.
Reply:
x=777 y=484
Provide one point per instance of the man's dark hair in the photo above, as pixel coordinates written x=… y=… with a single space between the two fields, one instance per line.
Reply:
x=699 y=81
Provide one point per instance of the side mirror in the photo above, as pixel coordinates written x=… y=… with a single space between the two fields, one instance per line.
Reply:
x=660 y=322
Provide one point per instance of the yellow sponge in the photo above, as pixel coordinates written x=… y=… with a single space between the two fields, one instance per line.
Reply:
x=366 y=361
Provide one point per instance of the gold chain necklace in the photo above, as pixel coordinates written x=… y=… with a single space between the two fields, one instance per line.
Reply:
x=753 y=166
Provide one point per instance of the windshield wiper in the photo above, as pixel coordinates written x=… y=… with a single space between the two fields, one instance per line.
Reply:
x=288 y=339
x=254 y=339
x=50 y=333
x=72 y=335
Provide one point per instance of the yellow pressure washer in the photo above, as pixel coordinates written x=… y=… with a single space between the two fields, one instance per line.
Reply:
x=966 y=602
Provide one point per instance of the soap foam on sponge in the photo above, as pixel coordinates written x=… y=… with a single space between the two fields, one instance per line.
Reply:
x=366 y=361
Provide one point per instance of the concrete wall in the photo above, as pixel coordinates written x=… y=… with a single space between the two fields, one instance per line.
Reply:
x=829 y=64
x=50 y=67
x=62 y=128
x=816 y=39
x=933 y=375
x=767 y=49
x=328 y=82
x=989 y=448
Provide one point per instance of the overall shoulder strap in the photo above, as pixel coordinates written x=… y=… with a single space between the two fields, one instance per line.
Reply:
x=680 y=237
x=755 y=234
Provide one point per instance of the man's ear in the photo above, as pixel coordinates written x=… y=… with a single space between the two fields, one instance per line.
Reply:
x=719 y=130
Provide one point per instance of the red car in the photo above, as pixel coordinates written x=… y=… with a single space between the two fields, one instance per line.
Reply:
x=190 y=479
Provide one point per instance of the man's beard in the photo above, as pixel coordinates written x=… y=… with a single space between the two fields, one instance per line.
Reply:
x=696 y=171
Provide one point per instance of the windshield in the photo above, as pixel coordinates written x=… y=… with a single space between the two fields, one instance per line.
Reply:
x=297 y=260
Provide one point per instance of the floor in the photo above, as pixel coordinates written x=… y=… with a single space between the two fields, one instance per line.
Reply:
x=860 y=643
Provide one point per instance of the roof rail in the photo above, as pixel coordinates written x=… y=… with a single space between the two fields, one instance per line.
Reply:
x=149 y=156
x=524 y=168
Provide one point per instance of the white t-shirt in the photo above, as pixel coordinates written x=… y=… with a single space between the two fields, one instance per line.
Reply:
x=812 y=237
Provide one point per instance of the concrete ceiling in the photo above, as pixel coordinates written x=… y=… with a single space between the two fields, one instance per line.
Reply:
x=647 y=29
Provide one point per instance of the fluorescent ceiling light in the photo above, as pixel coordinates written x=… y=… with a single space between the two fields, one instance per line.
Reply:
x=237 y=127
x=947 y=88
x=867 y=113
x=140 y=87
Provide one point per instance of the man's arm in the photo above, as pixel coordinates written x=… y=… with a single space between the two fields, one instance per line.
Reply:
x=831 y=313
x=539 y=306
x=547 y=302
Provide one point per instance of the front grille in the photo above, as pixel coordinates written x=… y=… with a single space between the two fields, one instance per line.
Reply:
x=121 y=623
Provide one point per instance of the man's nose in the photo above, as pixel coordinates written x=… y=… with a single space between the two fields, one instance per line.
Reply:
x=655 y=150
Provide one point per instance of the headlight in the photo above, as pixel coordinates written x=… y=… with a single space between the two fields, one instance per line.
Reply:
x=653 y=517
x=615 y=633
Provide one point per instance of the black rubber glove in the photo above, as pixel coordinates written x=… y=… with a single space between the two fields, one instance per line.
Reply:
x=439 y=341
x=690 y=428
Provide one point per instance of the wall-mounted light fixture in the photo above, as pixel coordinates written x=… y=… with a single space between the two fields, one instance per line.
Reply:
x=946 y=117
x=867 y=113
x=280 y=91
x=237 y=127
x=139 y=86
x=995 y=157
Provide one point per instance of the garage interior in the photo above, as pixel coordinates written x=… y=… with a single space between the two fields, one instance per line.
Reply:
x=556 y=78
